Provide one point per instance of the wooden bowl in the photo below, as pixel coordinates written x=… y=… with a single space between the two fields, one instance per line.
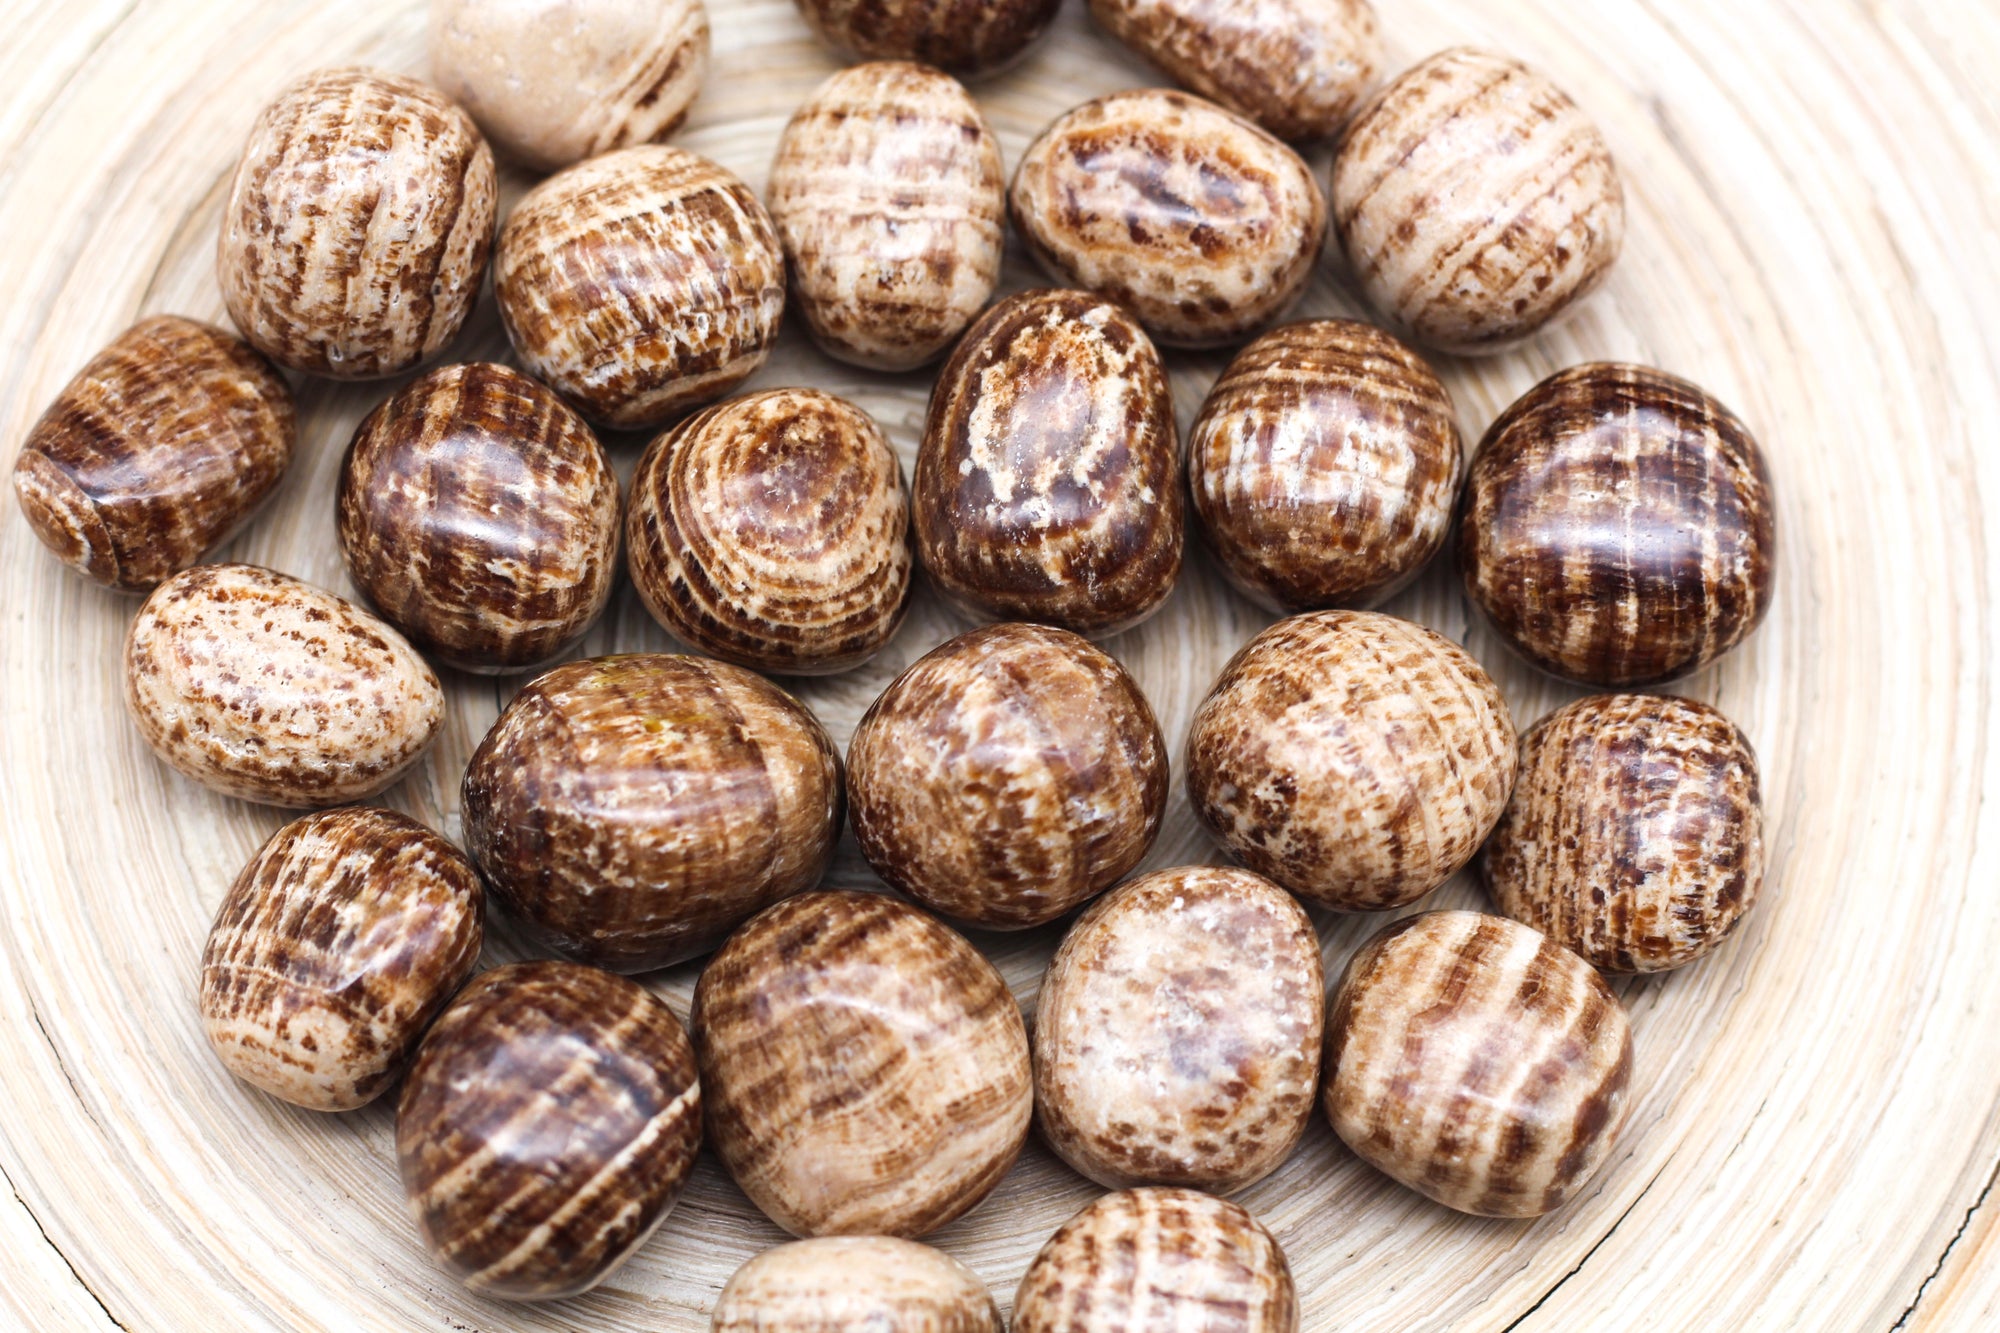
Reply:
x=1811 y=1105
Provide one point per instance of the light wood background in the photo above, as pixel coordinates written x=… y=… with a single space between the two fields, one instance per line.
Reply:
x=1815 y=191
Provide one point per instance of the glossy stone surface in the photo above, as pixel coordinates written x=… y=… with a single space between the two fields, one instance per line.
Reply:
x=1177 y=1039
x=1354 y=758
x=887 y=197
x=1477 y=1062
x=547 y=1128
x=552 y=82
x=866 y=1067
x=1325 y=466
x=640 y=284
x=358 y=225
x=772 y=531
x=1618 y=527
x=1158 y=1261
x=479 y=516
x=333 y=950
x=1636 y=832
x=1007 y=776
x=962 y=37
x=632 y=810
x=1296 y=67
x=158 y=451
x=841 y=1284
x=1476 y=202
x=260 y=686
x=1048 y=487
x=1199 y=222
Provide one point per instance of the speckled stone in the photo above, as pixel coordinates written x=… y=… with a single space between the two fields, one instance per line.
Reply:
x=257 y=685
x=333 y=950
x=358 y=225
x=640 y=284
x=156 y=453
x=1048 y=486
x=772 y=531
x=1296 y=67
x=632 y=810
x=1478 y=1063
x=1204 y=225
x=547 y=1128
x=479 y=516
x=1356 y=759
x=962 y=37
x=888 y=197
x=1158 y=1261
x=1636 y=832
x=1618 y=527
x=866 y=1068
x=1476 y=202
x=845 y=1284
x=1178 y=1036
x=1324 y=467
x=555 y=81
x=1007 y=776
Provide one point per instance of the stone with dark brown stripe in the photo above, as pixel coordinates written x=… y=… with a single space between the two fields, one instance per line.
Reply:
x=1158 y=1261
x=546 y=1129
x=640 y=284
x=1618 y=527
x=844 y=1284
x=1048 y=486
x=1477 y=1062
x=1297 y=67
x=158 y=451
x=260 y=686
x=1476 y=202
x=962 y=37
x=358 y=225
x=1325 y=466
x=1177 y=1040
x=479 y=515
x=1008 y=776
x=632 y=810
x=772 y=531
x=866 y=1068
x=1636 y=832
x=887 y=196
x=332 y=952
x=1204 y=225
x=1357 y=759
x=555 y=81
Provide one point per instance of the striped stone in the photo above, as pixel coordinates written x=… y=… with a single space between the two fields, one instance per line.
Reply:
x=640 y=284
x=333 y=950
x=1158 y=1261
x=962 y=37
x=358 y=225
x=1476 y=202
x=479 y=515
x=1477 y=1062
x=633 y=809
x=841 y=1284
x=546 y=1129
x=772 y=531
x=1636 y=832
x=158 y=451
x=866 y=1067
x=887 y=196
x=1618 y=527
x=1354 y=758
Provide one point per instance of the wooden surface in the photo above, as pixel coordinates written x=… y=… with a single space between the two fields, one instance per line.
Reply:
x=1815 y=197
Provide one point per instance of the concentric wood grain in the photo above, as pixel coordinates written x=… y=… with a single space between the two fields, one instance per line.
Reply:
x=1811 y=1126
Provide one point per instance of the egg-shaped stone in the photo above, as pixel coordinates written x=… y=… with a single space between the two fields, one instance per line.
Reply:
x=1201 y=223
x=962 y=37
x=841 y=1284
